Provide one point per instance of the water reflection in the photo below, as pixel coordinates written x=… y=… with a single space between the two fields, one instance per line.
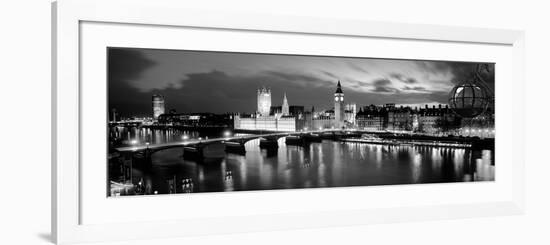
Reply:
x=325 y=164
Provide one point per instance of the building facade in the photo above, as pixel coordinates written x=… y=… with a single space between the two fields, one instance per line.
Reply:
x=268 y=117
x=437 y=120
x=371 y=118
x=350 y=112
x=264 y=101
x=196 y=120
x=268 y=123
x=158 y=106
x=399 y=118
x=482 y=126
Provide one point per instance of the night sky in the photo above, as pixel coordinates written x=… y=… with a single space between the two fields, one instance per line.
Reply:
x=219 y=82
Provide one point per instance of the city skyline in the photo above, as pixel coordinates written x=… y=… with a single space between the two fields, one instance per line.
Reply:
x=191 y=80
x=246 y=122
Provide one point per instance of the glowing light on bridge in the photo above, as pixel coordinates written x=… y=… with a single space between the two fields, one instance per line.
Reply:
x=134 y=142
x=185 y=137
x=227 y=134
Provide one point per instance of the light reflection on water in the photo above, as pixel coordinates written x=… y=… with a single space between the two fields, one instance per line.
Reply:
x=325 y=164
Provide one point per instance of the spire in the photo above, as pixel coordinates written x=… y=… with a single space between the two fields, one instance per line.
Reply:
x=285 y=109
x=339 y=88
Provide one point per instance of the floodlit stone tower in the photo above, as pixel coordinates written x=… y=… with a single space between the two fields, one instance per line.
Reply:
x=264 y=101
x=284 y=109
x=339 y=109
x=158 y=106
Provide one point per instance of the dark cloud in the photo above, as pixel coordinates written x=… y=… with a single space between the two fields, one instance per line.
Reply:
x=402 y=97
x=125 y=66
x=403 y=78
x=219 y=92
x=439 y=97
x=384 y=90
x=396 y=76
x=435 y=66
x=381 y=82
x=462 y=71
x=301 y=79
x=415 y=88
x=355 y=84
x=382 y=85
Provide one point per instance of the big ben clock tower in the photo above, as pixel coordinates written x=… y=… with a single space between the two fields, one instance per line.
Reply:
x=339 y=106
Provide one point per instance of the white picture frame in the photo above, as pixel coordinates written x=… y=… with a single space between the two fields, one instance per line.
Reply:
x=67 y=173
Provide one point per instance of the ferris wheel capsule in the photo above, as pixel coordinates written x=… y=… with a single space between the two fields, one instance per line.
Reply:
x=469 y=99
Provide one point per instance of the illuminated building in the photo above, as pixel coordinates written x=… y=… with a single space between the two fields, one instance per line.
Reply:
x=428 y=119
x=295 y=118
x=158 y=106
x=339 y=109
x=399 y=118
x=371 y=118
x=264 y=101
x=276 y=118
x=434 y=121
x=322 y=122
x=350 y=113
x=293 y=110
x=270 y=123
x=114 y=115
x=482 y=126
x=285 y=106
x=196 y=120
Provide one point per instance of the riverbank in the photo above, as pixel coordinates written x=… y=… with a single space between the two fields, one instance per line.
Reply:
x=387 y=138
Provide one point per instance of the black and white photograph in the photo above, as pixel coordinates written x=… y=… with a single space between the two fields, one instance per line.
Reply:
x=193 y=121
x=275 y=122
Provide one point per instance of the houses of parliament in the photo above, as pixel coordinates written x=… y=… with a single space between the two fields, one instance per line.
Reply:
x=294 y=117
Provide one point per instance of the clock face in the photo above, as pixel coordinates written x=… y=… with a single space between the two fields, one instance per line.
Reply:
x=335 y=98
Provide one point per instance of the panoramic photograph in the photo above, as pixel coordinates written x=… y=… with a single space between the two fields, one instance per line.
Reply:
x=187 y=121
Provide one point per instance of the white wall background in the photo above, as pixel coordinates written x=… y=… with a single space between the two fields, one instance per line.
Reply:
x=25 y=119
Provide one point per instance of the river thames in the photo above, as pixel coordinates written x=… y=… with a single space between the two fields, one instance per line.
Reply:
x=324 y=164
